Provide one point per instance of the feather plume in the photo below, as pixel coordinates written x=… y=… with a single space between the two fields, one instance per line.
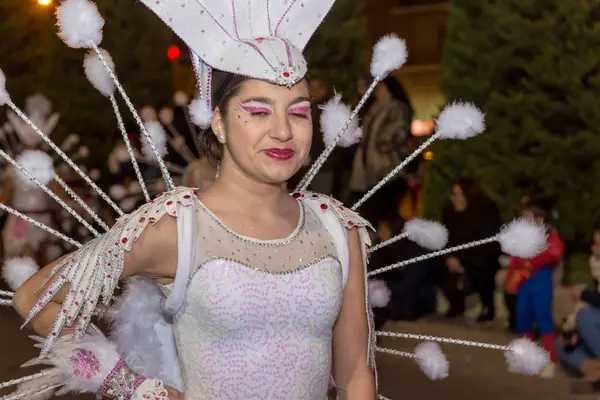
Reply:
x=460 y=121
x=80 y=23
x=428 y=234
x=333 y=118
x=17 y=270
x=389 y=54
x=523 y=238
x=38 y=164
x=158 y=137
x=97 y=73
x=200 y=114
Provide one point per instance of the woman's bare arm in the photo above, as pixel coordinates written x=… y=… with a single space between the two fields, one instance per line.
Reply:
x=352 y=374
x=153 y=255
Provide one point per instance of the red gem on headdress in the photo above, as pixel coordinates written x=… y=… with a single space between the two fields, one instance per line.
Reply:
x=324 y=206
x=187 y=196
x=286 y=74
x=296 y=195
x=124 y=240
x=260 y=39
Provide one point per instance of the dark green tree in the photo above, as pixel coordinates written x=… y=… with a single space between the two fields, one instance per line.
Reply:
x=533 y=67
x=35 y=59
x=336 y=51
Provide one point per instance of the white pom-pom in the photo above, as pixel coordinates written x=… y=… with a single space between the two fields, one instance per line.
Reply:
x=431 y=360
x=166 y=116
x=200 y=113
x=38 y=164
x=389 y=54
x=97 y=73
x=3 y=93
x=180 y=99
x=525 y=357
x=460 y=121
x=428 y=234
x=523 y=238
x=117 y=192
x=95 y=174
x=158 y=137
x=80 y=23
x=17 y=270
x=148 y=113
x=333 y=118
x=379 y=293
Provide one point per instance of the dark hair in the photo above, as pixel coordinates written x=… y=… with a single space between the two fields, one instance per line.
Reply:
x=540 y=206
x=225 y=85
x=397 y=91
x=474 y=194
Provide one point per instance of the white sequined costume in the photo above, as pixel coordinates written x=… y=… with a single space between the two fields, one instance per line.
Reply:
x=256 y=317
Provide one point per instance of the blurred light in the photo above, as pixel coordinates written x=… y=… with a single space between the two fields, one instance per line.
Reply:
x=422 y=128
x=45 y=2
x=428 y=155
x=173 y=53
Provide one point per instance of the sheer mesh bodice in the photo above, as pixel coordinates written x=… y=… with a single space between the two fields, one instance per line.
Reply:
x=258 y=315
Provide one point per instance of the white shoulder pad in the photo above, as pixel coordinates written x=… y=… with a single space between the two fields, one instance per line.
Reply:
x=93 y=271
x=337 y=219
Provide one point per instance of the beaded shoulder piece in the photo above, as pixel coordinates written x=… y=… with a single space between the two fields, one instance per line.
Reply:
x=349 y=218
x=94 y=270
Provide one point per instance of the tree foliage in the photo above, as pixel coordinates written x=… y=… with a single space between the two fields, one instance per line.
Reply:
x=533 y=67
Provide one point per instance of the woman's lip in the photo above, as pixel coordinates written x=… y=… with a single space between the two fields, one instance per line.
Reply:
x=279 y=154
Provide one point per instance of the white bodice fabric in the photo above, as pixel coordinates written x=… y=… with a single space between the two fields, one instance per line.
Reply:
x=257 y=318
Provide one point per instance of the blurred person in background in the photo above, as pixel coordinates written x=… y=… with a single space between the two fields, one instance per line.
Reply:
x=386 y=129
x=473 y=268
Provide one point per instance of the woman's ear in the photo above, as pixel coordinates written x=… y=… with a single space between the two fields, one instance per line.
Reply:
x=218 y=125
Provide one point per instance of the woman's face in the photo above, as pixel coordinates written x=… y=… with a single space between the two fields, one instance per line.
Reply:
x=267 y=130
x=457 y=196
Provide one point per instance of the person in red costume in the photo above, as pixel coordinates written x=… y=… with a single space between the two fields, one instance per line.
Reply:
x=531 y=280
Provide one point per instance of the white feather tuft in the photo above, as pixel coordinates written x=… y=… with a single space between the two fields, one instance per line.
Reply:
x=525 y=357
x=17 y=270
x=138 y=311
x=3 y=93
x=428 y=234
x=80 y=23
x=389 y=54
x=200 y=114
x=117 y=192
x=38 y=164
x=523 y=238
x=148 y=113
x=158 y=137
x=333 y=118
x=166 y=116
x=180 y=99
x=68 y=359
x=460 y=121
x=379 y=293
x=431 y=360
x=97 y=73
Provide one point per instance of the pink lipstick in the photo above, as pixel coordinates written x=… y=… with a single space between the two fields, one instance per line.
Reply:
x=279 y=154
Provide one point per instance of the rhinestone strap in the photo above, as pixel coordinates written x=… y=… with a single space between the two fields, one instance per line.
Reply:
x=310 y=175
x=161 y=164
x=81 y=203
x=39 y=225
x=136 y=166
x=22 y=379
x=396 y=352
x=63 y=156
x=444 y=340
x=396 y=170
x=49 y=192
x=121 y=383
x=432 y=255
x=395 y=239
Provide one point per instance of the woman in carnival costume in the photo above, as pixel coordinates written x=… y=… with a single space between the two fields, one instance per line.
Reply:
x=240 y=291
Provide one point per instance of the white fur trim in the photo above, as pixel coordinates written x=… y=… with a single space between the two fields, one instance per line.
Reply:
x=428 y=234
x=17 y=270
x=460 y=121
x=526 y=357
x=431 y=360
x=379 y=293
x=389 y=54
x=97 y=73
x=200 y=114
x=523 y=238
x=38 y=164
